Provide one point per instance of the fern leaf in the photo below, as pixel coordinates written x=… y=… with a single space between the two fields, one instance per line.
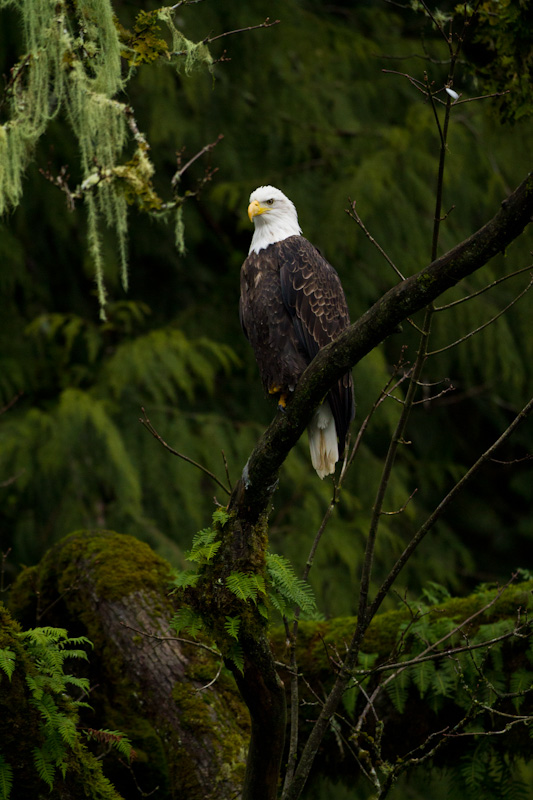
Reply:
x=7 y=661
x=6 y=778
x=115 y=739
x=232 y=625
x=66 y=728
x=292 y=589
x=521 y=681
x=47 y=708
x=204 y=546
x=422 y=675
x=236 y=655
x=245 y=586
x=220 y=516
x=184 y=578
x=397 y=689
x=45 y=768
x=185 y=619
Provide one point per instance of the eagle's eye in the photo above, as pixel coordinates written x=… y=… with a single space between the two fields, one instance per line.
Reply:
x=270 y=202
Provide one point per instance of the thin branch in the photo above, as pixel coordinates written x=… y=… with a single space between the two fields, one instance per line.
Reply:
x=485 y=289
x=355 y=216
x=514 y=460
x=148 y=425
x=485 y=324
x=509 y=725
x=402 y=508
x=226 y=468
x=11 y=403
x=184 y=3
x=266 y=24
x=481 y=97
x=206 y=149
x=180 y=639
x=211 y=682
x=437 y=513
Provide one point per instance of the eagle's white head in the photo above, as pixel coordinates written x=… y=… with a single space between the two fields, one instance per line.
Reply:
x=274 y=217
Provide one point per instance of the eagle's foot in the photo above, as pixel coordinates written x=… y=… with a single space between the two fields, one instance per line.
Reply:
x=282 y=399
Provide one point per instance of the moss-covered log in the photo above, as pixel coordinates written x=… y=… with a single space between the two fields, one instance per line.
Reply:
x=192 y=743
x=112 y=588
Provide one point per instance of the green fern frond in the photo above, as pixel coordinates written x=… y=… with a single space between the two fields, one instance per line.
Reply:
x=164 y=363
x=423 y=676
x=66 y=728
x=185 y=619
x=45 y=768
x=235 y=654
x=115 y=739
x=521 y=681
x=7 y=661
x=47 y=708
x=232 y=625
x=286 y=585
x=184 y=578
x=204 y=547
x=245 y=586
x=220 y=516
x=398 y=690
x=6 y=778
x=83 y=684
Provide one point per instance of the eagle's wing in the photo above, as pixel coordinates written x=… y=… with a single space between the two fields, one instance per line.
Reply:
x=313 y=295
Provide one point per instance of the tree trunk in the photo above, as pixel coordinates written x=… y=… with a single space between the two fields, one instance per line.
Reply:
x=147 y=684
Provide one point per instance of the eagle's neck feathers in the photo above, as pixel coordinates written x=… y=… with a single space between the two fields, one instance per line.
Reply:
x=272 y=228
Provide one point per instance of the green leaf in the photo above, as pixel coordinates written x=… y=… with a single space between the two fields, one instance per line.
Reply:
x=236 y=655
x=44 y=766
x=6 y=778
x=397 y=689
x=292 y=589
x=185 y=619
x=232 y=626
x=423 y=675
x=245 y=586
x=7 y=661
x=184 y=578
x=220 y=516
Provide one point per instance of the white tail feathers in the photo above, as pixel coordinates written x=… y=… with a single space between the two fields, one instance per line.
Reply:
x=323 y=441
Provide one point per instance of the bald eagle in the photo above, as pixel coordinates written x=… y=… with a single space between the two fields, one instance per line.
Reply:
x=291 y=305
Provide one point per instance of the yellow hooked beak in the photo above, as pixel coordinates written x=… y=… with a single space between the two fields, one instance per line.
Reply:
x=255 y=208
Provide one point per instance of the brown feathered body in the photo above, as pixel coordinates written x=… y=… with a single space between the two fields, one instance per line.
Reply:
x=292 y=304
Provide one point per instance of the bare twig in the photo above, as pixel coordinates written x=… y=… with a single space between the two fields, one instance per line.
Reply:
x=355 y=216
x=402 y=508
x=266 y=24
x=437 y=513
x=11 y=403
x=180 y=639
x=211 y=682
x=148 y=425
x=485 y=324
x=484 y=289
x=206 y=149
x=514 y=460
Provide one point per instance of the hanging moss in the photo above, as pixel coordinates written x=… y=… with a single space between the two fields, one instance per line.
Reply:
x=73 y=65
